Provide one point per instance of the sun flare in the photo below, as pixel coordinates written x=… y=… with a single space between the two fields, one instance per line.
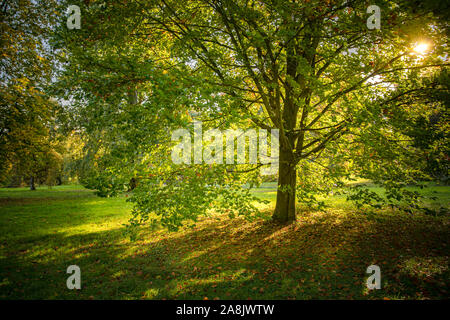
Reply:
x=421 y=48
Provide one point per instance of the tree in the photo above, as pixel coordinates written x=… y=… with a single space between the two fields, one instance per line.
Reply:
x=311 y=69
x=25 y=69
x=430 y=131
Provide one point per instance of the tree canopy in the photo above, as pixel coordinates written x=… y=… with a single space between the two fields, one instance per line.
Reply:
x=26 y=66
x=340 y=94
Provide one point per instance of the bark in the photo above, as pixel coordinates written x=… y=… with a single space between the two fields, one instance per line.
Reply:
x=132 y=96
x=285 y=205
x=133 y=184
x=32 y=186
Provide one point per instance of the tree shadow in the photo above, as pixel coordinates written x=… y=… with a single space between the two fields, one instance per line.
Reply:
x=322 y=256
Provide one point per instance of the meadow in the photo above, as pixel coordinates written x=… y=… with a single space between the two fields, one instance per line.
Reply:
x=324 y=255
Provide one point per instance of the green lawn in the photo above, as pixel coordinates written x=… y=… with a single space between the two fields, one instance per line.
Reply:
x=323 y=256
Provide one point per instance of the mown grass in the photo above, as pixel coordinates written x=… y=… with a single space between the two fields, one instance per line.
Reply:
x=324 y=255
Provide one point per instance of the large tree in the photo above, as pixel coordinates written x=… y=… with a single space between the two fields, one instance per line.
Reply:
x=311 y=69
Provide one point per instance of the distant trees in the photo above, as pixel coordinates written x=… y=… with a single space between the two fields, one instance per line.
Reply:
x=430 y=132
x=26 y=111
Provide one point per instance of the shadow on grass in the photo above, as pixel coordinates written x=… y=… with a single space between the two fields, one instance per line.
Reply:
x=322 y=256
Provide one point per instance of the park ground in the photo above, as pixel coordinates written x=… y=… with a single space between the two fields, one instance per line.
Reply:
x=324 y=255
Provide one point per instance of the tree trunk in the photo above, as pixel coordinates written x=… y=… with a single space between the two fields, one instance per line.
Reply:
x=132 y=184
x=285 y=205
x=32 y=187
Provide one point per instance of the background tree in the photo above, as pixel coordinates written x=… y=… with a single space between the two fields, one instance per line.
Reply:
x=25 y=69
x=430 y=131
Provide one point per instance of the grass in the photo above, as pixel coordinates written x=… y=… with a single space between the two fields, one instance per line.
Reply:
x=324 y=255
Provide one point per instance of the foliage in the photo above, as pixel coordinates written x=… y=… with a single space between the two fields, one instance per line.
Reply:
x=430 y=131
x=135 y=71
x=25 y=68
